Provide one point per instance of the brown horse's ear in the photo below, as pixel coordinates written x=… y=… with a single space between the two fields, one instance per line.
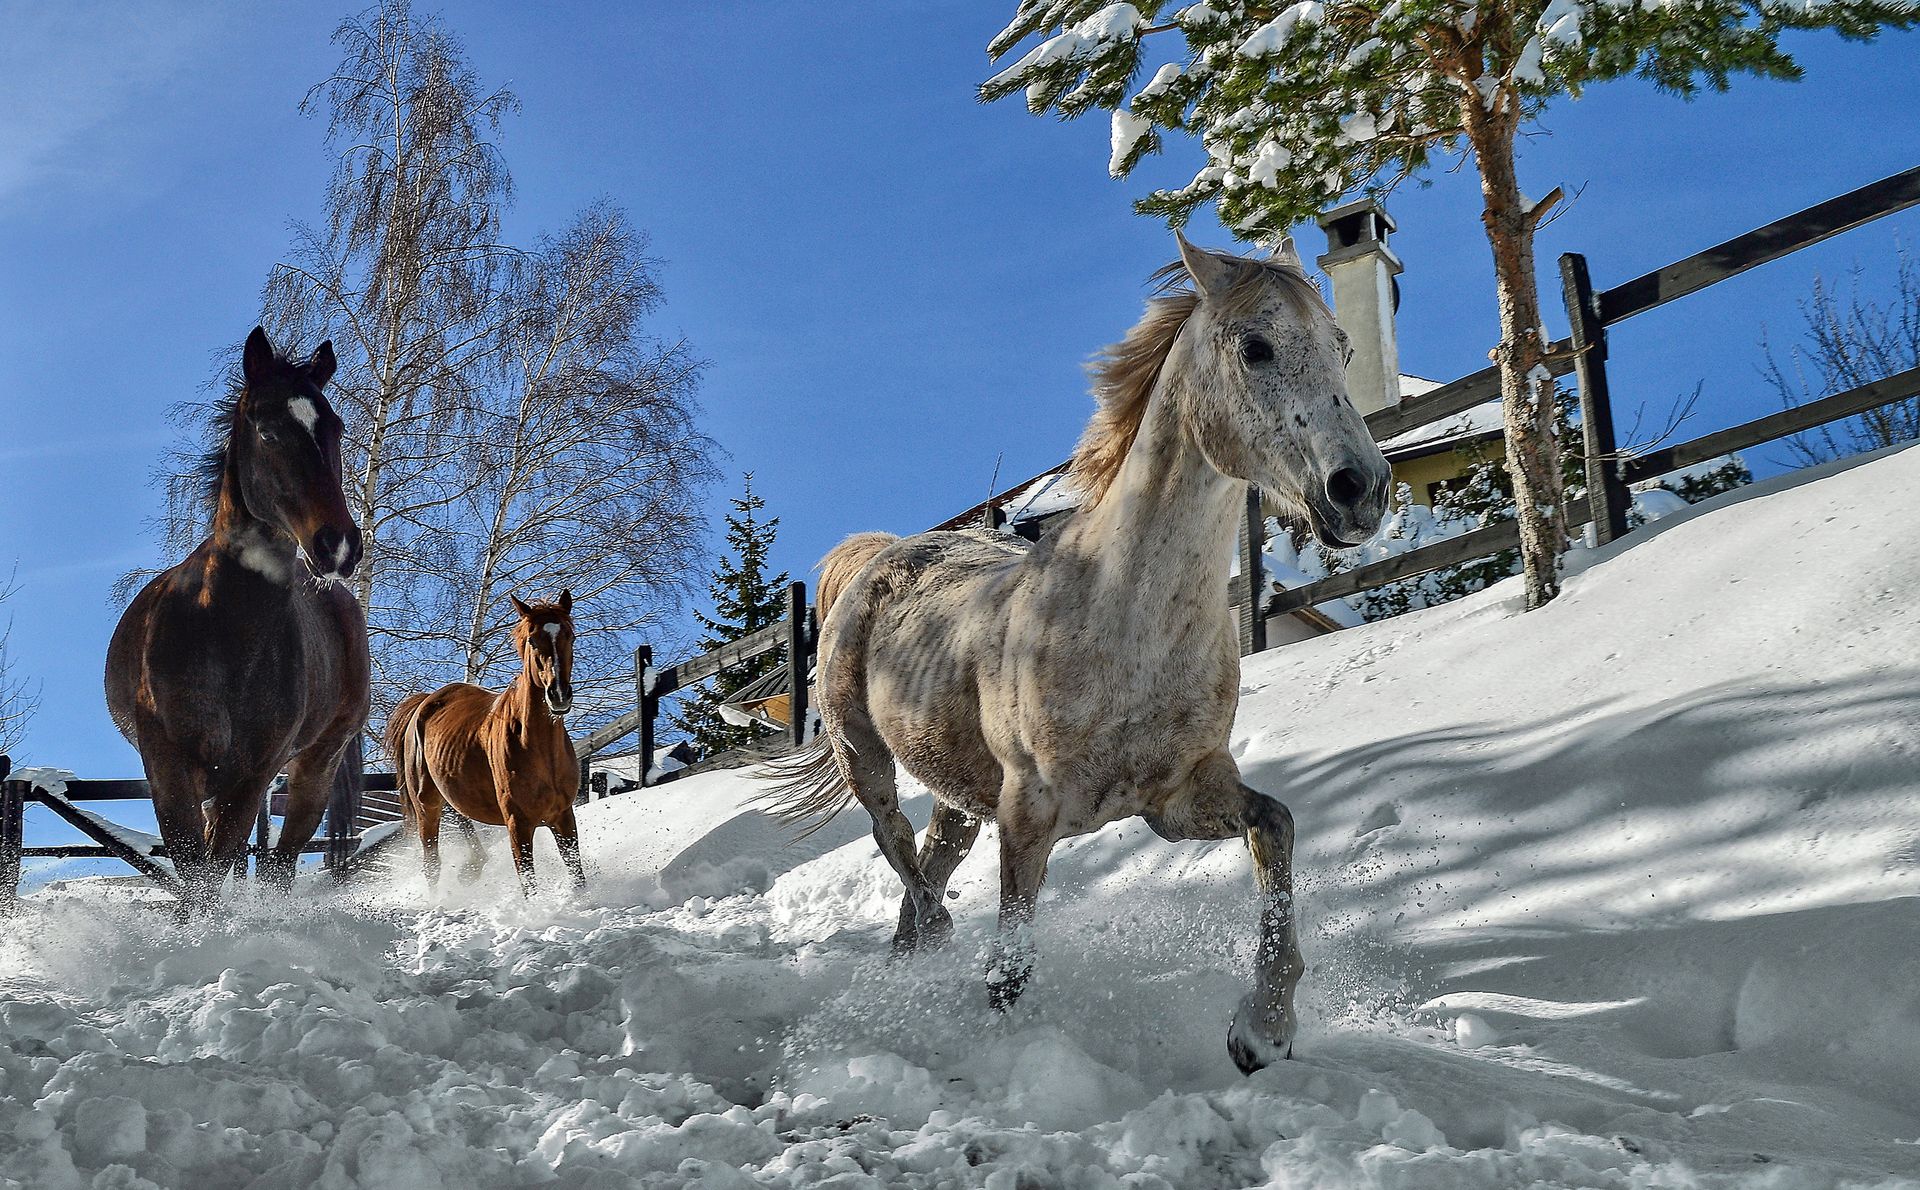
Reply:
x=256 y=357
x=526 y=613
x=566 y=601
x=320 y=367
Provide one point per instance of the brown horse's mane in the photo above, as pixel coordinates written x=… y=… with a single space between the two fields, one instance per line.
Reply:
x=209 y=468
x=1124 y=375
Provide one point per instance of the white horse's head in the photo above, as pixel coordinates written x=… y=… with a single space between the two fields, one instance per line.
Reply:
x=1265 y=392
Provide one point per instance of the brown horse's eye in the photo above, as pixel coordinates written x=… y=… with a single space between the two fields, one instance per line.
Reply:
x=1255 y=350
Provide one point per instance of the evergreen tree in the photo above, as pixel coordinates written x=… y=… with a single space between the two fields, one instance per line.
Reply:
x=745 y=600
x=1299 y=104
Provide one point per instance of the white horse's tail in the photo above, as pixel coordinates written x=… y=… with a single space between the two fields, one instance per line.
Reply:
x=808 y=786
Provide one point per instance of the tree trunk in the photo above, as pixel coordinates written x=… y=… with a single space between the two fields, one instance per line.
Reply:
x=1527 y=393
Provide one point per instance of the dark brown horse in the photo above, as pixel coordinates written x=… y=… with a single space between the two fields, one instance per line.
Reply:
x=503 y=759
x=250 y=656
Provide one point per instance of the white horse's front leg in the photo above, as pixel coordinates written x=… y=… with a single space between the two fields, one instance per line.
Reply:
x=1218 y=805
x=1026 y=817
x=1264 y=1024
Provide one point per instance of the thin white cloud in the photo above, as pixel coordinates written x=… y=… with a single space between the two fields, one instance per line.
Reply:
x=73 y=77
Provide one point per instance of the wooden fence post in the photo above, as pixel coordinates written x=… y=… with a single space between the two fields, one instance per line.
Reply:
x=1607 y=494
x=343 y=807
x=797 y=638
x=643 y=690
x=1253 y=537
x=13 y=806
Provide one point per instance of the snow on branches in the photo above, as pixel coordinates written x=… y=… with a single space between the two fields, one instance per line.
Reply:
x=1298 y=104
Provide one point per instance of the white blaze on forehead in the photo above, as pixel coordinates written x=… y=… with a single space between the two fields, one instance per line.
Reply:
x=304 y=412
x=551 y=629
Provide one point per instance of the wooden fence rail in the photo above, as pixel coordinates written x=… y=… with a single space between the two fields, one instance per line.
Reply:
x=792 y=634
x=343 y=844
x=1585 y=354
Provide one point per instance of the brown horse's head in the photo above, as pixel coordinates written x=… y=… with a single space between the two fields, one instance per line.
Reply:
x=284 y=453
x=544 y=640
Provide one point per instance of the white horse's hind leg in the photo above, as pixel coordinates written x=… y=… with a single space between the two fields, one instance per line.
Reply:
x=868 y=768
x=1218 y=806
x=949 y=837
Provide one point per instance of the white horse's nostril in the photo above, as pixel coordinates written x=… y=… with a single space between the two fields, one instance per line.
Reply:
x=1346 y=487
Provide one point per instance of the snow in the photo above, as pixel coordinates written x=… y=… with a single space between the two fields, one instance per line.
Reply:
x=1127 y=131
x=1620 y=893
x=1083 y=42
x=1272 y=37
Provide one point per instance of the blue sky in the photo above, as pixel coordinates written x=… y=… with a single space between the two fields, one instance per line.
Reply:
x=894 y=285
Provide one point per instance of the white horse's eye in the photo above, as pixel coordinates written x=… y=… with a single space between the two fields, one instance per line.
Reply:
x=1255 y=350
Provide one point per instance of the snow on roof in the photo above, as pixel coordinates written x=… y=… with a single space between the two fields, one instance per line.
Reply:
x=1469 y=423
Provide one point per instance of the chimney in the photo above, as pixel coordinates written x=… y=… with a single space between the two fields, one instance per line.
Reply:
x=1365 y=296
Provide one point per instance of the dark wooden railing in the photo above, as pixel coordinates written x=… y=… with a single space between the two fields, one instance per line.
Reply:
x=792 y=633
x=1584 y=353
x=340 y=843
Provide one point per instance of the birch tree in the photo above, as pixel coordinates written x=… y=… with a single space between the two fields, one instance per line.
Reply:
x=1298 y=105
x=403 y=277
x=1850 y=340
x=587 y=463
x=19 y=696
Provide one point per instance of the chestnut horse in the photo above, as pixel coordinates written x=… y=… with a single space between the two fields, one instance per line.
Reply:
x=502 y=759
x=250 y=655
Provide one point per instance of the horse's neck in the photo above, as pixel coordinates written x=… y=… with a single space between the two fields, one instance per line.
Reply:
x=257 y=546
x=1160 y=541
x=523 y=703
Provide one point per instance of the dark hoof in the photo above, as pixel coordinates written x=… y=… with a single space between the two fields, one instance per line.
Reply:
x=1248 y=1058
x=1007 y=977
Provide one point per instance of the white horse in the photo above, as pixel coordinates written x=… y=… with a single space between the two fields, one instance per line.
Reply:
x=1094 y=676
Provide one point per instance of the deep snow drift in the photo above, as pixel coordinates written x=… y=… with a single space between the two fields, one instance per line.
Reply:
x=1616 y=894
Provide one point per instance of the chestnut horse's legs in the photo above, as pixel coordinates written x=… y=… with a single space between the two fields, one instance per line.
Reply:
x=476 y=852
x=427 y=820
x=949 y=837
x=1218 y=806
x=520 y=830
x=566 y=835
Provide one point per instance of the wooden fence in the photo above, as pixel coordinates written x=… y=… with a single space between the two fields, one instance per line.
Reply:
x=1584 y=353
x=793 y=633
x=343 y=842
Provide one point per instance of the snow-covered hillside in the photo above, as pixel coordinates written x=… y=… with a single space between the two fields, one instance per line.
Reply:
x=1617 y=894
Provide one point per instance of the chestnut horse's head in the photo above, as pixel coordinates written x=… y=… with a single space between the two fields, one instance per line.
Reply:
x=284 y=455
x=544 y=640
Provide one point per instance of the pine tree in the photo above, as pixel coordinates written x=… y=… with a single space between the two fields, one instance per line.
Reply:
x=1299 y=104
x=745 y=600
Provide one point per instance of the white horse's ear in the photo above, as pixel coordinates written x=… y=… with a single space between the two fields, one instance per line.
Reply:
x=1212 y=273
x=1287 y=254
